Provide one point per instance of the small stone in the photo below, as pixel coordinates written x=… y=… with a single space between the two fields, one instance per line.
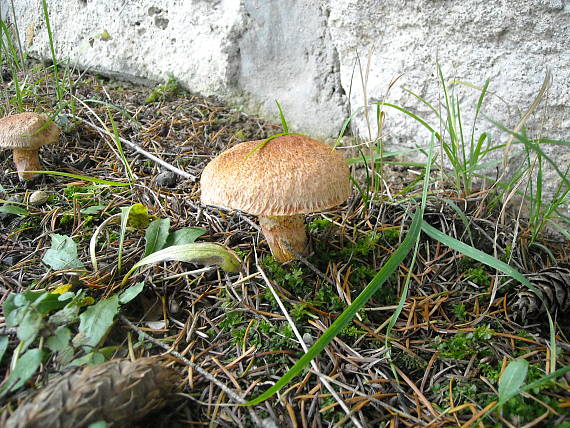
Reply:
x=308 y=339
x=39 y=197
x=166 y=179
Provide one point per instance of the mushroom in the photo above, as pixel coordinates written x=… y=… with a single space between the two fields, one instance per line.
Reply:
x=25 y=133
x=278 y=181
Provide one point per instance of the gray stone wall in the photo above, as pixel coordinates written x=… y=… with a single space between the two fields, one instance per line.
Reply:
x=303 y=53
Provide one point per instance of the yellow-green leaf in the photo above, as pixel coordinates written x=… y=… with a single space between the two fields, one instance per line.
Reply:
x=206 y=253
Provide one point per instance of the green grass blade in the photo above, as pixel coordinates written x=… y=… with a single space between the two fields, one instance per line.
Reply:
x=342 y=321
x=413 y=116
x=345 y=125
x=282 y=117
x=498 y=265
x=530 y=144
x=119 y=146
x=268 y=139
x=425 y=102
x=479 y=256
x=404 y=295
x=83 y=178
x=58 y=90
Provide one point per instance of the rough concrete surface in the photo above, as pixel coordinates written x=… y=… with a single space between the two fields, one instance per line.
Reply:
x=304 y=54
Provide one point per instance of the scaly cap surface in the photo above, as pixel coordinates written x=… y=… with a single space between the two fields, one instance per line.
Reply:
x=19 y=131
x=291 y=174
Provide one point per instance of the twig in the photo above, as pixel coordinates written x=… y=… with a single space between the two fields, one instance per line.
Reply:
x=232 y=394
x=136 y=148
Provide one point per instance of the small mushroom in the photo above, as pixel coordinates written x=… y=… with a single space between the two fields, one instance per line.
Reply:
x=289 y=176
x=25 y=133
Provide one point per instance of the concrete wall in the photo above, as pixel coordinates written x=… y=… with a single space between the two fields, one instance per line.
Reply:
x=303 y=53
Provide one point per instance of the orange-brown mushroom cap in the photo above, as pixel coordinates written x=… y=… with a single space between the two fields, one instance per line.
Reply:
x=24 y=131
x=289 y=175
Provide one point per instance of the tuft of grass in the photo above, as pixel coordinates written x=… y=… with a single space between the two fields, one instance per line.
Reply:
x=170 y=88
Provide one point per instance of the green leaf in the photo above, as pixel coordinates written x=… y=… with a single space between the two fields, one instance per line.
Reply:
x=156 y=235
x=203 y=253
x=29 y=327
x=130 y=293
x=183 y=236
x=60 y=340
x=66 y=315
x=4 y=340
x=93 y=209
x=96 y=321
x=138 y=217
x=90 y=359
x=11 y=307
x=512 y=379
x=62 y=254
x=25 y=368
x=13 y=209
x=98 y=424
x=135 y=216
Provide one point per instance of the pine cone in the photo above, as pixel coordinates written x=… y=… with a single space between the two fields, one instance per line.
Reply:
x=554 y=282
x=118 y=392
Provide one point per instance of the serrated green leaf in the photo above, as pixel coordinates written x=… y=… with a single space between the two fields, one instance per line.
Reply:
x=25 y=368
x=130 y=293
x=4 y=340
x=512 y=379
x=156 y=235
x=60 y=339
x=62 y=254
x=203 y=253
x=183 y=236
x=96 y=321
x=13 y=209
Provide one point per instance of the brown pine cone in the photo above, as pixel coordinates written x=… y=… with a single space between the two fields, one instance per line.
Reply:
x=554 y=283
x=118 y=392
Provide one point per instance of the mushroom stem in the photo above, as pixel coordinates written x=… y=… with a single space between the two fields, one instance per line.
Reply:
x=284 y=233
x=27 y=160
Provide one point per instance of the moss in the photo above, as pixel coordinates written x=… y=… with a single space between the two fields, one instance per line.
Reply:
x=463 y=346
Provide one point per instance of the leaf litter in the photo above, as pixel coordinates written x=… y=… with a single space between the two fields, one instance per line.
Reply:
x=454 y=352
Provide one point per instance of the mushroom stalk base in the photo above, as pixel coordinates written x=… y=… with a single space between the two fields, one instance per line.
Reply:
x=27 y=160
x=283 y=234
